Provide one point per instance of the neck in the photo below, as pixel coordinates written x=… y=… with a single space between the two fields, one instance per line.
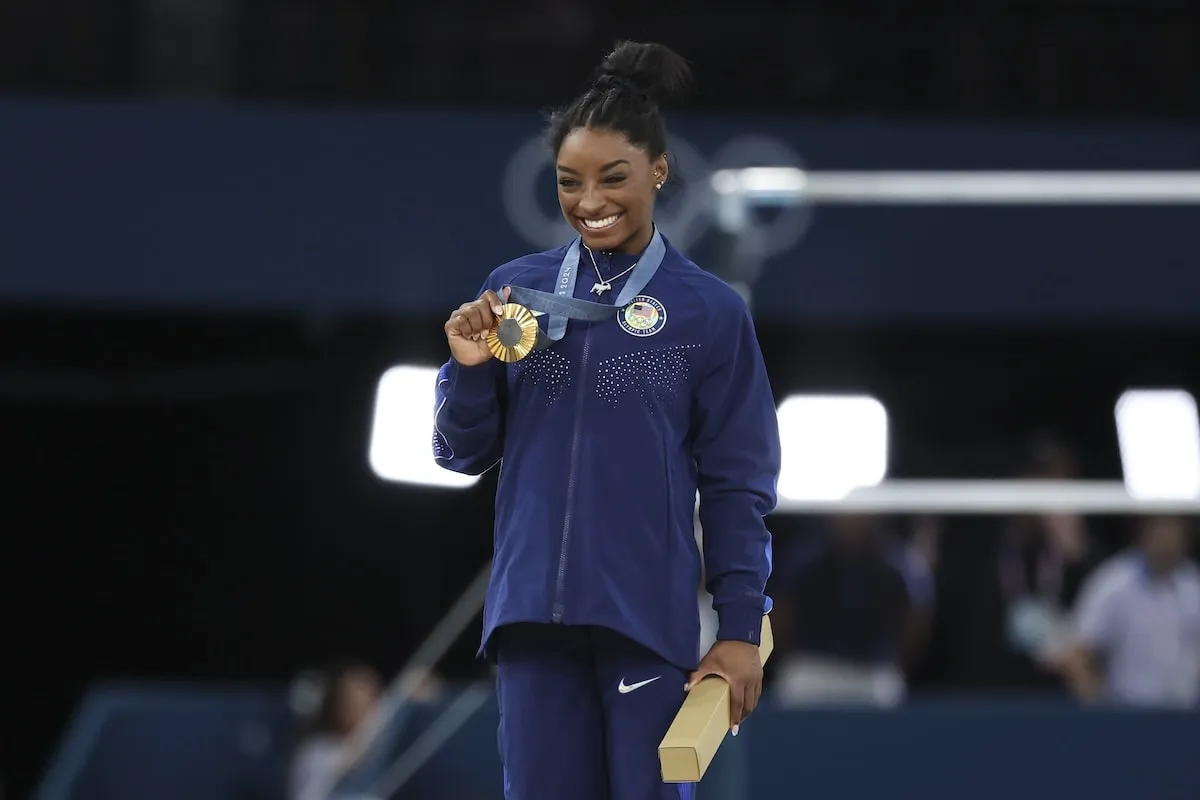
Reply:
x=638 y=242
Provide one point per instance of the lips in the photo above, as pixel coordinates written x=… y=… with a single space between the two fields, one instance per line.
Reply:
x=602 y=223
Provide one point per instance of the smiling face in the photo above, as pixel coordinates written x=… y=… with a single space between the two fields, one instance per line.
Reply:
x=606 y=189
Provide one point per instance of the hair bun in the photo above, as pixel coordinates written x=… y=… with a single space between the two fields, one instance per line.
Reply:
x=648 y=69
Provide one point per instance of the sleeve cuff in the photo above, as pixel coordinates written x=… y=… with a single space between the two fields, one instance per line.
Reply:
x=740 y=623
x=472 y=383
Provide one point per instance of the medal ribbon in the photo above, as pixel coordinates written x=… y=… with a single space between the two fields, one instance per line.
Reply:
x=562 y=305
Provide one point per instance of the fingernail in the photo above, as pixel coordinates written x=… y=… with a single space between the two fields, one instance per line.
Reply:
x=498 y=309
x=735 y=730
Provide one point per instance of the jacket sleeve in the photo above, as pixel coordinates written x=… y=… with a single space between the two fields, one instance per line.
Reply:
x=468 y=434
x=737 y=451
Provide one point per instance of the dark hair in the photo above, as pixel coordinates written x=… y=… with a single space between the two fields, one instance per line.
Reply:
x=327 y=688
x=630 y=84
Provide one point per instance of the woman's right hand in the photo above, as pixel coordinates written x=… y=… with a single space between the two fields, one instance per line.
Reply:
x=468 y=326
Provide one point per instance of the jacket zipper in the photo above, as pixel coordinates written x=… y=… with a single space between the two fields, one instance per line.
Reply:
x=561 y=584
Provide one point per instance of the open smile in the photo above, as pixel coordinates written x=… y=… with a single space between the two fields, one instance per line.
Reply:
x=601 y=224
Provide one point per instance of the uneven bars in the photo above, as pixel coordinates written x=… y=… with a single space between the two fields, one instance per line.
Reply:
x=789 y=185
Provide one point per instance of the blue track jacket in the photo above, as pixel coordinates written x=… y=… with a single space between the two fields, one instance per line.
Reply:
x=604 y=439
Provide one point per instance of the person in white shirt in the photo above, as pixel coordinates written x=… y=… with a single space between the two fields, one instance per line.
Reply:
x=1136 y=633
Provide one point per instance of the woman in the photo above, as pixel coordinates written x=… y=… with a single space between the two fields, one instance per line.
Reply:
x=606 y=435
x=349 y=694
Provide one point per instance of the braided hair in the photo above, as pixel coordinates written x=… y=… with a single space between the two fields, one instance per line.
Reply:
x=626 y=92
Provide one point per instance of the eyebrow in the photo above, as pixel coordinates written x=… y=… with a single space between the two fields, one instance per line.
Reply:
x=605 y=168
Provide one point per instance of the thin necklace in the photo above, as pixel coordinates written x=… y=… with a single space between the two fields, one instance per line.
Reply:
x=606 y=285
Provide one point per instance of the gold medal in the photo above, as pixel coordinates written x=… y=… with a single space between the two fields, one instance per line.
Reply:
x=514 y=334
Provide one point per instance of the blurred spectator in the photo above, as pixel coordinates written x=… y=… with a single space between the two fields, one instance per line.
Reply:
x=853 y=612
x=346 y=697
x=1005 y=586
x=1137 y=623
x=341 y=727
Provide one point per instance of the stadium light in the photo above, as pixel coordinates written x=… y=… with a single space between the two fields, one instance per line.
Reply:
x=401 y=447
x=1159 y=437
x=832 y=445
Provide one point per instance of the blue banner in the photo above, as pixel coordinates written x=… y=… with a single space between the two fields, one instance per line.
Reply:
x=159 y=205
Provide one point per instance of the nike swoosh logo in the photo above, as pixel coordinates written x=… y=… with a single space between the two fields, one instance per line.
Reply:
x=537 y=313
x=624 y=688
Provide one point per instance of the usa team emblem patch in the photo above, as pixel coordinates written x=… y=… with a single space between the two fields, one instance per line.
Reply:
x=644 y=316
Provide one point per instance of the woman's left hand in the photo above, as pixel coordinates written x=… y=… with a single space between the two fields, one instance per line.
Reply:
x=739 y=665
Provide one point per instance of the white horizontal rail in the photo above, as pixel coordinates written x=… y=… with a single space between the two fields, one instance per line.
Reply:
x=994 y=497
x=791 y=185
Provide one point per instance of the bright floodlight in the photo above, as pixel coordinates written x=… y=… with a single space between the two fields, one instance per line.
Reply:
x=402 y=430
x=831 y=445
x=1159 y=436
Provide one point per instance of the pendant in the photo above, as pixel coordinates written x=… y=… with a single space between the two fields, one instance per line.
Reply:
x=600 y=288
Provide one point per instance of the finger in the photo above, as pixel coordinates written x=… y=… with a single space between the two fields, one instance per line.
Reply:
x=487 y=319
x=466 y=328
x=459 y=317
x=478 y=318
x=457 y=325
x=507 y=293
x=701 y=673
x=750 y=703
x=493 y=301
x=490 y=311
x=737 y=703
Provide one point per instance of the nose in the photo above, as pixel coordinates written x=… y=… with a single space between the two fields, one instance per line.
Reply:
x=592 y=202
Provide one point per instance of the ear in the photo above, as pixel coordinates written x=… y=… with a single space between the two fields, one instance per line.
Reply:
x=660 y=169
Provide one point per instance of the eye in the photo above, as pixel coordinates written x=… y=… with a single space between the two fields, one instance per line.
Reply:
x=615 y=179
x=566 y=182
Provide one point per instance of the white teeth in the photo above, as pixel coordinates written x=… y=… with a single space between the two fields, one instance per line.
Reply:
x=596 y=224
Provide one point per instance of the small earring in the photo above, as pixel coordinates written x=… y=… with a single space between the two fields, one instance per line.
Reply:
x=658 y=185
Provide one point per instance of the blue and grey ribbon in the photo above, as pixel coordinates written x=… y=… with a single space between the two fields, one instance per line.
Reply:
x=562 y=305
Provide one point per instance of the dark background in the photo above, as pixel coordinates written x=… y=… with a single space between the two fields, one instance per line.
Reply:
x=947 y=57
x=187 y=495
